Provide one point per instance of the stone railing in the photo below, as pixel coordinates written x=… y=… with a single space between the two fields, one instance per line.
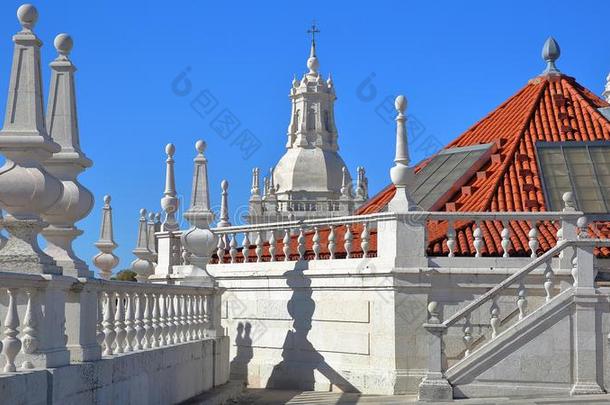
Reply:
x=393 y=235
x=50 y=321
x=579 y=252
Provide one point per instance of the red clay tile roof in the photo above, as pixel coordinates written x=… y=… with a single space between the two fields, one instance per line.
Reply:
x=548 y=108
x=553 y=108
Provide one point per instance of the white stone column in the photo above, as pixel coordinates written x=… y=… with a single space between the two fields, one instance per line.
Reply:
x=402 y=174
x=26 y=188
x=66 y=165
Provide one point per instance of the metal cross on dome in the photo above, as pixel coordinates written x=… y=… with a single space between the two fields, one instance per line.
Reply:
x=313 y=31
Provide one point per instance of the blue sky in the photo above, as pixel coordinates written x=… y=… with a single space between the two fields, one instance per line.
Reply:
x=455 y=62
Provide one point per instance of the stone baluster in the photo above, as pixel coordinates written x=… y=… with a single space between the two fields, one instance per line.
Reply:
x=245 y=247
x=148 y=328
x=183 y=319
x=11 y=345
x=171 y=325
x=365 y=238
x=548 y=281
x=106 y=260
x=130 y=331
x=574 y=271
x=533 y=240
x=451 y=238
x=331 y=242
x=163 y=326
x=139 y=322
x=495 y=318
x=316 y=243
x=286 y=244
x=30 y=326
x=195 y=309
x=188 y=319
x=220 y=248
x=347 y=242
x=100 y=319
x=177 y=318
x=301 y=244
x=505 y=235
x=468 y=339
x=27 y=189
x=259 y=247
x=200 y=329
x=142 y=265
x=521 y=298
x=155 y=321
x=233 y=248
x=272 y=245
x=478 y=239
x=119 y=323
x=109 y=332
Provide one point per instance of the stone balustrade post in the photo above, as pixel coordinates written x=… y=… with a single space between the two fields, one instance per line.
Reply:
x=568 y=232
x=434 y=386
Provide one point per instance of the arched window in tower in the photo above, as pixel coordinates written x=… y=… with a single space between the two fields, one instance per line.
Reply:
x=326 y=121
x=311 y=119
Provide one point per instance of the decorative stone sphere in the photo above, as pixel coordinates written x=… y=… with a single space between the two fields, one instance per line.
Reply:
x=107 y=199
x=27 y=15
x=170 y=149
x=224 y=185
x=63 y=43
x=200 y=242
x=432 y=307
x=568 y=198
x=313 y=64
x=200 y=146
x=400 y=103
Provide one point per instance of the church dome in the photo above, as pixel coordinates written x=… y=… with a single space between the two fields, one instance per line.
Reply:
x=313 y=170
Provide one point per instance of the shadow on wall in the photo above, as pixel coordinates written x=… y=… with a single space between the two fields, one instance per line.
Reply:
x=243 y=342
x=300 y=357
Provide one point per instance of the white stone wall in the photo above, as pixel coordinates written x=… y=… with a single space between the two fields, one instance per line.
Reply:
x=167 y=375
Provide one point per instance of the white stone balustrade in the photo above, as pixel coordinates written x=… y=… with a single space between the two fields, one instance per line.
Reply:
x=127 y=317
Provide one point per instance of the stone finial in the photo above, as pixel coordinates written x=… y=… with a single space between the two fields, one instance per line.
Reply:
x=106 y=260
x=550 y=53
x=169 y=202
x=199 y=241
x=76 y=201
x=152 y=242
x=401 y=174
x=362 y=184
x=346 y=186
x=606 y=93
x=255 y=190
x=312 y=63
x=26 y=189
x=142 y=265
x=271 y=182
x=224 y=205
x=434 y=312
x=568 y=201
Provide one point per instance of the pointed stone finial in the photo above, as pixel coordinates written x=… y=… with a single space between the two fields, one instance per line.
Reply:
x=295 y=82
x=550 y=53
x=152 y=243
x=157 y=221
x=169 y=202
x=224 y=205
x=329 y=81
x=255 y=190
x=271 y=182
x=106 y=260
x=26 y=189
x=199 y=241
x=345 y=183
x=142 y=265
x=362 y=184
x=312 y=63
x=27 y=15
x=401 y=174
x=76 y=201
